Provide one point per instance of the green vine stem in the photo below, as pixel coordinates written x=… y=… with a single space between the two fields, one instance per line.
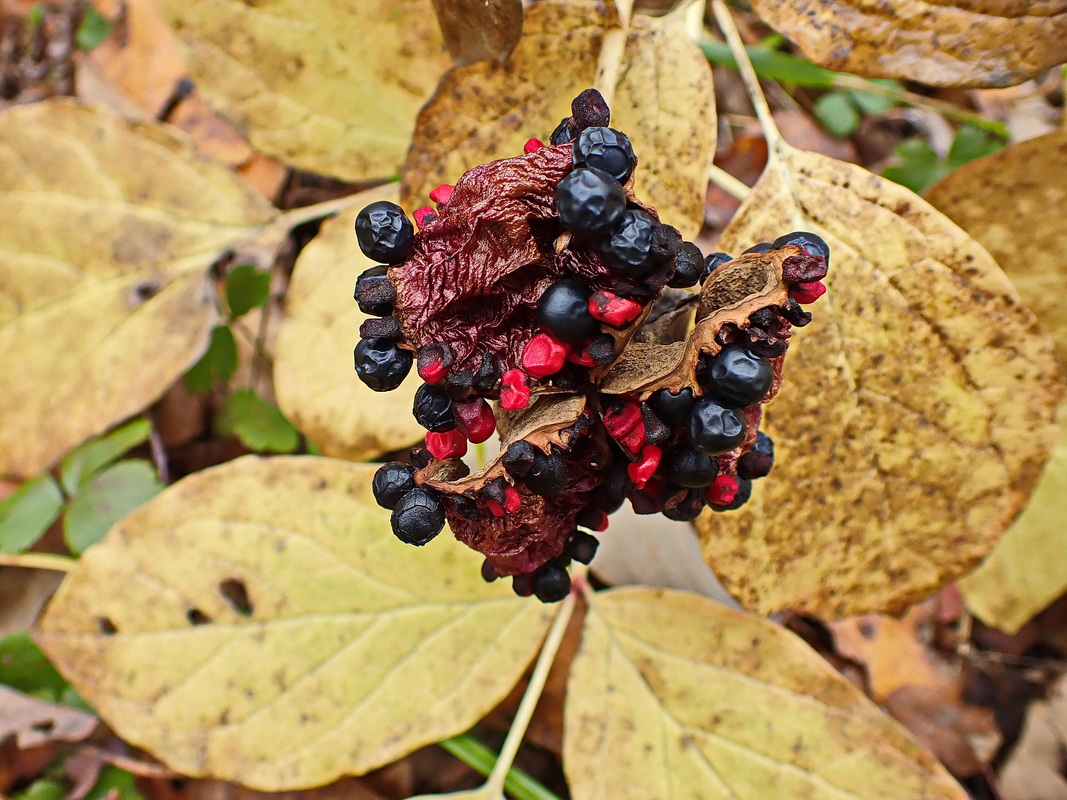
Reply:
x=476 y=755
x=38 y=561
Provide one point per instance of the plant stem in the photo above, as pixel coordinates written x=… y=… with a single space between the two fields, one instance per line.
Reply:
x=479 y=757
x=611 y=52
x=728 y=183
x=38 y=561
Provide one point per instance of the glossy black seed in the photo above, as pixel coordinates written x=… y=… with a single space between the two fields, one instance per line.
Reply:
x=374 y=293
x=495 y=490
x=602 y=349
x=735 y=376
x=391 y=482
x=713 y=262
x=564 y=310
x=551 y=583
x=715 y=429
x=685 y=466
x=606 y=149
x=590 y=202
x=380 y=328
x=381 y=364
x=688 y=267
x=433 y=409
x=689 y=509
x=418 y=517
x=796 y=315
x=642 y=501
x=421 y=458
x=744 y=494
x=762 y=247
x=522 y=585
x=626 y=251
x=814 y=244
x=488 y=374
x=673 y=409
x=488 y=571
x=581 y=546
x=384 y=233
x=656 y=430
x=609 y=496
x=666 y=244
x=547 y=475
x=519 y=458
x=758 y=461
x=562 y=133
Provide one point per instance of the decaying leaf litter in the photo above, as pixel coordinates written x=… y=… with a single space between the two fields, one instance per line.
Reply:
x=331 y=420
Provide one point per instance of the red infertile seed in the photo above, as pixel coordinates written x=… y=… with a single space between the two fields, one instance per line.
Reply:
x=441 y=194
x=512 y=500
x=532 y=146
x=433 y=372
x=452 y=444
x=613 y=310
x=722 y=491
x=495 y=508
x=582 y=357
x=626 y=425
x=544 y=355
x=805 y=293
x=514 y=390
x=424 y=216
x=475 y=419
x=642 y=470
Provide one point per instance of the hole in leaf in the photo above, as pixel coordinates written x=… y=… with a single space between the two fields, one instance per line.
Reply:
x=44 y=726
x=197 y=617
x=107 y=627
x=237 y=596
x=146 y=290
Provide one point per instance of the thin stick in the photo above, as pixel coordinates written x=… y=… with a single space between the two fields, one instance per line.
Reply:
x=38 y=561
x=728 y=183
x=159 y=453
x=611 y=52
x=536 y=686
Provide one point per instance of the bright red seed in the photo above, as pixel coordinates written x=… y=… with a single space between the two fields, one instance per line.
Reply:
x=723 y=490
x=532 y=146
x=474 y=419
x=512 y=500
x=645 y=467
x=495 y=507
x=514 y=390
x=452 y=444
x=805 y=293
x=613 y=310
x=441 y=194
x=421 y=214
x=433 y=372
x=544 y=355
x=626 y=425
x=581 y=356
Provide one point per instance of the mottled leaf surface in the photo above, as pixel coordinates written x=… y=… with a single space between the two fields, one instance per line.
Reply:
x=916 y=413
x=664 y=102
x=107 y=232
x=314 y=376
x=327 y=87
x=477 y=29
x=674 y=696
x=938 y=42
x=258 y=622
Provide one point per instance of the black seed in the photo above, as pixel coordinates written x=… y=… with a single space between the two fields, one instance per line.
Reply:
x=713 y=262
x=582 y=547
x=381 y=364
x=688 y=267
x=602 y=349
x=460 y=379
x=766 y=319
x=643 y=502
x=562 y=133
x=744 y=494
x=380 y=328
x=813 y=243
x=762 y=247
x=673 y=409
x=590 y=202
x=433 y=409
x=547 y=475
x=689 y=508
x=464 y=506
x=384 y=233
x=551 y=583
x=589 y=517
x=656 y=431
x=495 y=490
x=564 y=310
x=758 y=461
x=609 y=496
x=436 y=353
x=488 y=571
x=488 y=374
x=418 y=517
x=626 y=251
x=391 y=482
x=765 y=349
x=796 y=315
x=522 y=585
x=715 y=429
x=685 y=466
x=735 y=376
x=421 y=458
x=606 y=149
x=374 y=293
x=519 y=458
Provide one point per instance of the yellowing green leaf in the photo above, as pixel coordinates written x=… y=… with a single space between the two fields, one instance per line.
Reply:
x=664 y=102
x=108 y=228
x=327 y=87
x=916 y=412
x=258 y=622
x=962 y=42
x=314 y=377
x=674 y=696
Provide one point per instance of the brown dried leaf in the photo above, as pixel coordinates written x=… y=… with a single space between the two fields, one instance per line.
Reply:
x=35 y=722
x=957 y=43
x=477 y=29
x=917 y=412
x=664 y=103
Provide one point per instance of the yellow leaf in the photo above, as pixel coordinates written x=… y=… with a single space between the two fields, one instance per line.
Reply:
x=957 y=43
x=108 y=229
x=257 y=622
x=314 y=377
x=1012 y=202
x=327 y=87
x=664 y=102
x=674 y=696
x=917 y=410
